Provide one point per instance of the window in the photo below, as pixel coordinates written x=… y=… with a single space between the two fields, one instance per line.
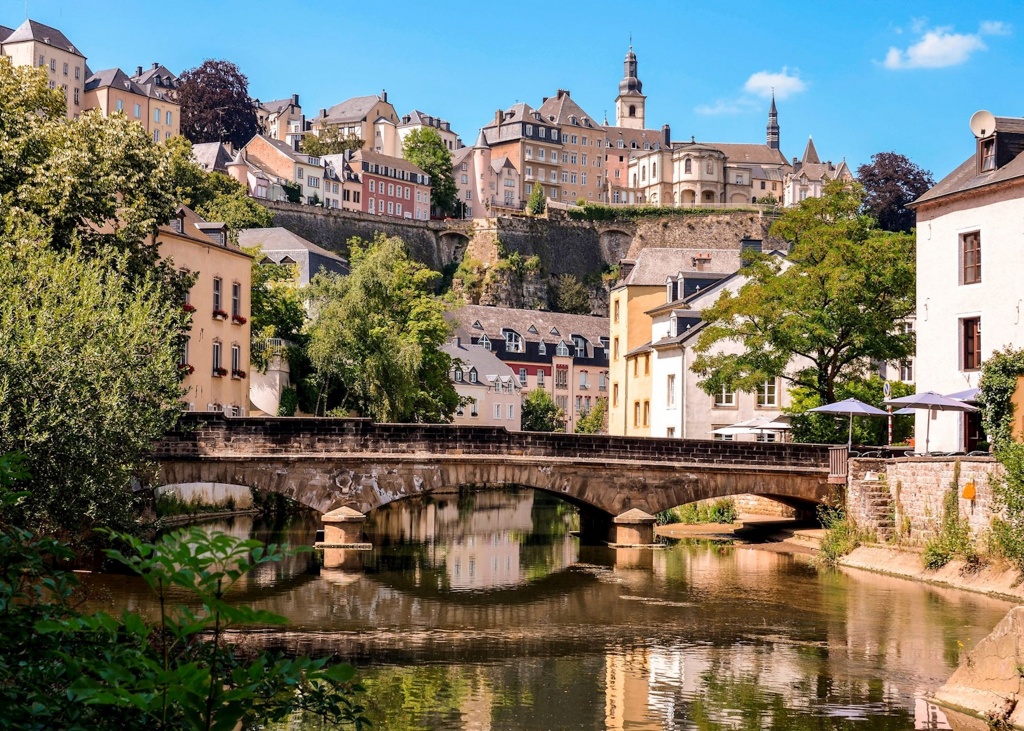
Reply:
x=300 y=174
x=579 y=404
x=372 y=186
x=236 y=299
x=647 y=413
x=615 y=394
x=156 y=115
x=472 y=375
x=584 y=383
x=138 y=111
x=540 y=377
x=53 y=64
x=511 y=411
x=183 y=353
x=216 y=357
x=670 y=400
x=562 y=350
x=469 y=195
x=236 y=359
x=391 y=207
x=120 y=105
x=767 y=436
x=562 y=378
x=762 y=185
x=907 y=370
x=722 y=437
x=458 y=375
x=687 y=166
x=514 y=342
x=156 y=135
x=216 y=293
x=970 y=338
x=484 y=342
x=647 y=364
x=970 y=258
x=542 y=349
x=497 y=411
x=167 y=119
x=602 y=382
x=65 y=69
x=768 y=394
x=988 y=155
x=78 y=72
x=615 y=311
x=581 y=346
x=636 y=413
x=473 y=411
x=42 y=60
x=522 y=376
x=725 y=397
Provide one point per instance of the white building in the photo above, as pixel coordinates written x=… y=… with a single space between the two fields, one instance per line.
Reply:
x=969 y=261
x=492 y=391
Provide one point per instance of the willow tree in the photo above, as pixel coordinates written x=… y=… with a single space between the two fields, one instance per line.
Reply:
x=376 y=336
x=836 y=300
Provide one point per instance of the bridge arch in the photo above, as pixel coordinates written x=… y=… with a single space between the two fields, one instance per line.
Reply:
x=452 y=245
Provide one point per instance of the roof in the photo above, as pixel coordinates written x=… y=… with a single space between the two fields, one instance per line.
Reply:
x=156 y=77
x=654 y=136
x=500 y=163
x=277 y=238
x=376 y=158
x=532 y=325
x=489 y=367
x=351 y=110
x=191 y=223
x=654 y=265
x=965 y=177
x=645 y=348
x=750 y=153
x=460 y=155
x=421 y=119
x=4 y=32
x=285 y=149
x=810 y=153
x=817 y=171
x=113 y=78
x=278 y=105
x=32 y=30
x=563 y=108
x=211 y=156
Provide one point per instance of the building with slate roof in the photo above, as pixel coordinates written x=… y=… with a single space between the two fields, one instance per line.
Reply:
x=533 y=145
x=566 y=355
x=35 y=44
x=282 y=120
x=370 y=118
x=969 y=258
x=418 y=120
x=809 y=175
x=281 y=246
x=144 y=98
x=487 y=185
x=583 y=143
x=492 y=390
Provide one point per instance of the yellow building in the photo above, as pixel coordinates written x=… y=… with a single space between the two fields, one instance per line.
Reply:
x=370 y=118
x=582 y=154
x=216 y=353
x=35 y=44
x=148 y=103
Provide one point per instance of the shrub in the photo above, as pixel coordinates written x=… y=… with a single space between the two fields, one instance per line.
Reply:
x=720 y=511
x=1008 y=528
x=841 y=534
x=954 y=537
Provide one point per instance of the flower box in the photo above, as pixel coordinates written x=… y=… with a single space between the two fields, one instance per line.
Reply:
x=220 y=372
x=238 y=374
x=190 y=308
x=220 y=315
x=189 y=369
x=238 y=320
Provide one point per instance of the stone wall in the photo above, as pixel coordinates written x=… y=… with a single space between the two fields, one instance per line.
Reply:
x=714 y=231
x=906 y=495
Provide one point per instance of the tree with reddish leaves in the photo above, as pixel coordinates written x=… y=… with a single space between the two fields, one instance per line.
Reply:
x=891 y=181
x=215 y=104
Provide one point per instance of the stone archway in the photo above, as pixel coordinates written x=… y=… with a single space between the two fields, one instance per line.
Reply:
x=452 y=245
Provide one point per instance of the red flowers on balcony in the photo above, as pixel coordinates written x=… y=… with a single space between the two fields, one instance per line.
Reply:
x=220 y=372
x=238 y=374
x=238 y=320
x=189 y=308
x=188 y=369
x=220 y=315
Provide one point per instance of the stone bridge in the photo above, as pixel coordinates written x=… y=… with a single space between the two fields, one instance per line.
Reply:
x=355 y=464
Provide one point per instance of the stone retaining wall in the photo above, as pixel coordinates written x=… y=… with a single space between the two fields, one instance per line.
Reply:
x=905 y=496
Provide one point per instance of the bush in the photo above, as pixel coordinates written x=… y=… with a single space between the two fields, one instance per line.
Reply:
x=953 y=539
x=1008 y=528
x=289 y=402
x=841 y=534
x=720 y=511
x=597 y=212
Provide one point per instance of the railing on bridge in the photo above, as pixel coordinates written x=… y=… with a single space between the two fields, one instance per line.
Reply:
x=838 y=464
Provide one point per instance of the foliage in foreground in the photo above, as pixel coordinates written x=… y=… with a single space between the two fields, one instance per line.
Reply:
x=816 y=428
x=425 y=149
x=541 y=413
x=61 y=668
x=593 y=421
x=841 y=535
x=1008 y=526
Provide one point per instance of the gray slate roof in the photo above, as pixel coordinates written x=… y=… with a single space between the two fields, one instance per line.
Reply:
x=533 y=325
x=488 y=366
x=4 y=32
x=351 y=110
x=653 y=266
x=562 y=107
x=113 y=77
x=277 y=242
x=32 y=30
x=211 y=156
x=750 y=154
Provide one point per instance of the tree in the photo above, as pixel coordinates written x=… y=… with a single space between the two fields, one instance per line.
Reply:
x=425 y=149
x=330 y=141
x=891 y=181
x=571 y=295
x=215 y=104
x=536 y=203
x=593 y=421
x=89 y=380
x=540 y=413
x=277 y=309
x=833 y=302
x=378 y=333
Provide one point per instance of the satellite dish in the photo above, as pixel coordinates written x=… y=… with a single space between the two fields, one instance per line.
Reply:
x=983 y=124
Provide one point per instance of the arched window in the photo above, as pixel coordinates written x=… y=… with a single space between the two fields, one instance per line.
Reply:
x=513 y=342
x=687 y=166
x=643 y=173
x=634 y=180
x=654 y=171
x=632 y=110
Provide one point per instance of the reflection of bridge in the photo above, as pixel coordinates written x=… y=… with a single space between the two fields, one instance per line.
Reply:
x=333 y=463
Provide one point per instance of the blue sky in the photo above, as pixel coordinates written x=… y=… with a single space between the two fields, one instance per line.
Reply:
x=861 y=77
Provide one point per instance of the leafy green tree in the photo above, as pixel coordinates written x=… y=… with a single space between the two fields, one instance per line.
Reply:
x=832 y=429
x=277 y=309
x=215 y=104
x=425 y=149
x=541 y=413
x=593 y=421
x=537 y=202
x=378 y=332
x=891 y=181
x=88 y=380
x=834 y=301
x=330 y=141
x=571 y=295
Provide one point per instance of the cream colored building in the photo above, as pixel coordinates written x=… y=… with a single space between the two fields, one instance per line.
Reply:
x=35 y=44
x=149 y=103
x=492 y=391
x=282 y=120
x=487 y=185
x=582 y=154
x=808 y=177
x=215 y=354
x=370 y=118
x=418 y=120
x=533 y=144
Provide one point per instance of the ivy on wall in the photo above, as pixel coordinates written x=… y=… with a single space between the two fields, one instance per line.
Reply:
x=998 y=384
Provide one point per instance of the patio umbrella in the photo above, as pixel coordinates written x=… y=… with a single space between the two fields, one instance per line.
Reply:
x=970 y=395
x=851 y=407
x=932 y=402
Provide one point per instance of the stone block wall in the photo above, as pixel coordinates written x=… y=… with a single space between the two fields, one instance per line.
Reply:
x=906 y=495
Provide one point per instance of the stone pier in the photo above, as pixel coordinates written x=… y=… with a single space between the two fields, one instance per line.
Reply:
x=343 y=528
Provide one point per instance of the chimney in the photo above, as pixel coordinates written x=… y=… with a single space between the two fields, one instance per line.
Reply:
x=626 y=268
x=383 y=95
x=138 y=71
x=295 y=100
x=499 y=116
x=323 y=113
x=666 y=135
x=406 y=119
x=155 y=65
x=458 y=341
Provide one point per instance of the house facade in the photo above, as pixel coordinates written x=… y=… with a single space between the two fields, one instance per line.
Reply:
x=282 y=120
x=486 y=184
x=215 y=354
x=148 y=101
x=370 y=118
x=492 y=392
x=35 y=44
x=532 y=144
x=582 y=154
x=416 y=119
x=969 y=292
x=808 y=176
x=279 y=164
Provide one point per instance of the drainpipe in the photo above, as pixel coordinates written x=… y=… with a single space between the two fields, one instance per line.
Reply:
x=682 y=398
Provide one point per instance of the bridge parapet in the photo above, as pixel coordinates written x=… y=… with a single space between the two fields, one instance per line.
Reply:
x=215 y=435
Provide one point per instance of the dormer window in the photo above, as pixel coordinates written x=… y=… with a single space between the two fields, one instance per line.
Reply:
x=988 y=155
x=513 y=342
x=562 y=350
x=472 y=375
x=485 y=342
x=542 y=349
x=458 y=375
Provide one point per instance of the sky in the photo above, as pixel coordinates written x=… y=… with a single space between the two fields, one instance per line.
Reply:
x=860 y=77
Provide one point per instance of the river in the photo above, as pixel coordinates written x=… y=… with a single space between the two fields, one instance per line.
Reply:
x=482 y=612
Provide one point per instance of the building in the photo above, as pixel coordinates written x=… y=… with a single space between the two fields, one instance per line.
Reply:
x=582 y=155
x=148 y=102
x=418 y=120
x=491 y=389
x=283 y=167
x=566 y=355
x=281 y=246
x=212 y=156
x=215 y=354
x=809 y=176
x=532 y=144
x=630 y=104
x=486 y=184
x=381 y=184
x=35 y=44
x=282 y=120
x=371 y=119
x=969 y=292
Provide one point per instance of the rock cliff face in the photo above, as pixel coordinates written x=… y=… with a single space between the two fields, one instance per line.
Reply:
x=990 y=682
x=496 y=249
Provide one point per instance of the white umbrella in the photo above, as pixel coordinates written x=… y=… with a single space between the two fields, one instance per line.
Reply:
x=851 y=407
x=932 y=402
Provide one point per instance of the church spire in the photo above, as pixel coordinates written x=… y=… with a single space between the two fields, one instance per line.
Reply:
x=630 y=103
x=773 y=125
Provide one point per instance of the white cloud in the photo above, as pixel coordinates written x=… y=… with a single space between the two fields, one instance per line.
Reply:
x=726 y=106
x=782 y=83
x=941 y=47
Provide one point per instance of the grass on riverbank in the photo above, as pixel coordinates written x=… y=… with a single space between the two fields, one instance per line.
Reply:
x=720 y=511
x=841 y=534
x=171 y=504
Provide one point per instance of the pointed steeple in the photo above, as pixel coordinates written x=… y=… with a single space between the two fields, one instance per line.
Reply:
x=481 y=141
x=810 y=154
x=773 y=125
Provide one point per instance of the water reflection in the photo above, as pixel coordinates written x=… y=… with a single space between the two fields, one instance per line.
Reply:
x=481 y=611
